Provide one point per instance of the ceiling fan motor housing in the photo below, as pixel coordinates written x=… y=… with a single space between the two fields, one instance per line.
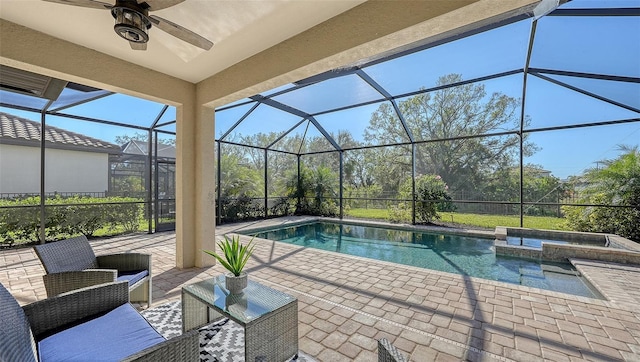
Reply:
x=132 y=20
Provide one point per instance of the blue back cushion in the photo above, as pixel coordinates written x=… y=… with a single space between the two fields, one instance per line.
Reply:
x=16 y=341
x=132 y=276
x=111 y=337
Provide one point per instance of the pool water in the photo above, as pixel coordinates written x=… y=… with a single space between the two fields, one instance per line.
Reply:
x=537 y=242
x=462 y=255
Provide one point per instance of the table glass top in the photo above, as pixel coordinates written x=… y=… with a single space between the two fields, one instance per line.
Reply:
x=255 y=301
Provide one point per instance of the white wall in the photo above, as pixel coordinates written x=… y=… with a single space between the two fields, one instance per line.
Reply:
x=66 y=171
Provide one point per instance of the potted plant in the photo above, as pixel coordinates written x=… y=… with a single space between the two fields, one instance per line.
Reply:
x=234 y=257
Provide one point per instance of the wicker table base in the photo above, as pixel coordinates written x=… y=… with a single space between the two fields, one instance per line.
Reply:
x=268 y=316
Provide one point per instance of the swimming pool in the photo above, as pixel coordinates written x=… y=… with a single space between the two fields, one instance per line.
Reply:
x=472 y=256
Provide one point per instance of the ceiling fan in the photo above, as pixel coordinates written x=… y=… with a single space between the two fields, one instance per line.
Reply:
x=133 y=20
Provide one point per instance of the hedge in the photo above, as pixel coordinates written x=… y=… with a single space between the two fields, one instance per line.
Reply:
x=66 y=216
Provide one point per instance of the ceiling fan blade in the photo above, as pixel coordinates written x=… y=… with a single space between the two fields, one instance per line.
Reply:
x=138 y=46
x=83 y=3
x=181 y=32
x=160 y=4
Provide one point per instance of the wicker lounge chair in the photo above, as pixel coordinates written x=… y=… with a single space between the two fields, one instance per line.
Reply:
x=94 y=323
x=387 y=352
x=71 y=264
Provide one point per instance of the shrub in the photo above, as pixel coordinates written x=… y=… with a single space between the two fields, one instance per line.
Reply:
x=429 y=189
x=20 y=218
x=80 y=217
x=281 y=207
x=431 y=196
x=400 y=212
x=238 y=208
x=126 y=214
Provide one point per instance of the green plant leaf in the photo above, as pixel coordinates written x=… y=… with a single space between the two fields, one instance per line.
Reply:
x=233 y=256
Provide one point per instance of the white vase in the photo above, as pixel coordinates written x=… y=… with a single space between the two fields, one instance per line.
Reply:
x=235 y=284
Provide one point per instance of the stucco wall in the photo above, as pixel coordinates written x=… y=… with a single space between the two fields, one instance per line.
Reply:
x=66 y=171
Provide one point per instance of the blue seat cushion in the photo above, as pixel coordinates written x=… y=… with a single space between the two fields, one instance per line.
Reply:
x=110 y=337
x=132 y=276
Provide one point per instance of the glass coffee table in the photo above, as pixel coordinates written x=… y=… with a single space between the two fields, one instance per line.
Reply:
x=269 y=317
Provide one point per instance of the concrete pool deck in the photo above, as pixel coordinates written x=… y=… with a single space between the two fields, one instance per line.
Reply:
x=346 y=303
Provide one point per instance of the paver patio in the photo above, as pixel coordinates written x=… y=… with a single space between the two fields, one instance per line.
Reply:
x=346 y=303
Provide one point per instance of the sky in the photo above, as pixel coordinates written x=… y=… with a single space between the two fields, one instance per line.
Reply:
x=609 y=46
x=116 y=108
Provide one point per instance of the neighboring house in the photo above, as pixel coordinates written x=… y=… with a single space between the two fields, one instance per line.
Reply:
x=132 y=164
x=138 y=148
x=537 y=172
x=533 y=171
x=74 y=163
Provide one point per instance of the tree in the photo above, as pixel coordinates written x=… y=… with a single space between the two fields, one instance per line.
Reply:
x=142 y=136
x=391 y=165
x=315 y=189
x=616 y=184
x=357 y=168
x=448 y=114
x=539 y=187
x=238 y=179
x=239 y=185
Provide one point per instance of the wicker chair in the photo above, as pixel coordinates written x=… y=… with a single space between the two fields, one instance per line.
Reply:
x=71 y=264
x=68 y=327
x=387 y=352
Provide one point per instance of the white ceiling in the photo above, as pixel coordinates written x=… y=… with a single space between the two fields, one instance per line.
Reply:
x=238 y=29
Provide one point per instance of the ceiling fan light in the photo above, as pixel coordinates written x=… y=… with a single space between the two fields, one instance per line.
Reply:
x=131 y=25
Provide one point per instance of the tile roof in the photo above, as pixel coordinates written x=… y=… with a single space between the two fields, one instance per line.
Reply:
x=141 y=148
x=22 y=131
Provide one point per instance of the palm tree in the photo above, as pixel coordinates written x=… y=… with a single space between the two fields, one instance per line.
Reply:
x=617 y=187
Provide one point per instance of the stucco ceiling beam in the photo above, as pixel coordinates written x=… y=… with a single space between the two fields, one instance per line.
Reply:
x=30 y=50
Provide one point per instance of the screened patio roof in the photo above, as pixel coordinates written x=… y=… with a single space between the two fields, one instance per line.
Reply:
x=90 y=104
x=585 y=51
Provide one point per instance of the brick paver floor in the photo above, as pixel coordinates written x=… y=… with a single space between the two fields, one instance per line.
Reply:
x=347 y=303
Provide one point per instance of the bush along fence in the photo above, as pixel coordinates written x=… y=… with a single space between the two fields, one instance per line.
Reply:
x=67 y=216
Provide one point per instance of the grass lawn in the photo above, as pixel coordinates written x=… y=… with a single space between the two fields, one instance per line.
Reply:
x=479 y=220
